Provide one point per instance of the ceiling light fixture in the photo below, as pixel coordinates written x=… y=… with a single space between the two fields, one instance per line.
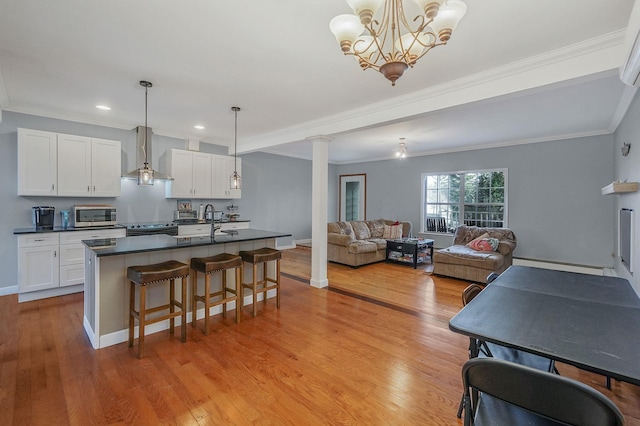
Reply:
x=235 y=180
x=199 y=127
x=389 y=43
x=143 y=173
x=103 y=107
x=401 y=152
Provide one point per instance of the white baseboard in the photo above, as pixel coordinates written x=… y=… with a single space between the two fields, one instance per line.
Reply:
x=52 y=292
x=5 y=291
x=287 y=247
x=566 y=267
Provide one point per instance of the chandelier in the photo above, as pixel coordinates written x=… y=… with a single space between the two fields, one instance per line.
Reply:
x=389 y=43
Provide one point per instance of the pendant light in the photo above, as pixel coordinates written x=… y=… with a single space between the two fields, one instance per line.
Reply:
x=145 y=173
x=235 y=180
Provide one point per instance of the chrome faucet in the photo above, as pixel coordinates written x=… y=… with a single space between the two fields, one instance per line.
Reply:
x=214 y=227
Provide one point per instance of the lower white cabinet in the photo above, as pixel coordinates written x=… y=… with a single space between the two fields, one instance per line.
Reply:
x=72 y=253
x=227 y=226
x=55 y=259
x=38 y=263
x=202 y=229
x=193 y=230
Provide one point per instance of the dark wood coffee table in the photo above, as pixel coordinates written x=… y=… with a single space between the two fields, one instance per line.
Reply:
x=409 y=251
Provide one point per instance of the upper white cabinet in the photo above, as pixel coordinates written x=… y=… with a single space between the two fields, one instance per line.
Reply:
x=67 y=165
x=223 y=167
x=37 y=163
x=106 y=168
x=199 y=175
x=191 y=173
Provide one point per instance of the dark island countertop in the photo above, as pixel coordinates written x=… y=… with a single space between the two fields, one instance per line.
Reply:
x=146 y=243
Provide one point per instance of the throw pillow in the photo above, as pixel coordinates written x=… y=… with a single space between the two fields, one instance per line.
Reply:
x=484 y=243
x=392 y=232
x=360 y=230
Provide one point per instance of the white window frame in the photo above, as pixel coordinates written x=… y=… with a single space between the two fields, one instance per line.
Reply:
x=505 y=222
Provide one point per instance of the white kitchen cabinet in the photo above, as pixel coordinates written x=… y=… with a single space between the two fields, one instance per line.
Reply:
x=38 y=264
x=74 y=166
x=72 y=252
x=106 y=167
x=191 y=173
x=228 y=226
x=203 y=229
x=55 y=259
x=88 y=167
x=66 y=165
x=223 y=168
x=199 y=229
x=37 y=163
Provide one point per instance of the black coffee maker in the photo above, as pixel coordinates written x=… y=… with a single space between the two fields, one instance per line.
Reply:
x=43 y=216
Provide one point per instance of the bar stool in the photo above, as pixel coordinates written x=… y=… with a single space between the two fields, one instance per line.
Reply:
x=208 y=265
x=151 y=274
x=263 y=256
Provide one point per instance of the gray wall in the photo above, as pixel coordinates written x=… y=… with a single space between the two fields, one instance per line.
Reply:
x=555 y=204
x=276 y=193
x=628 y=168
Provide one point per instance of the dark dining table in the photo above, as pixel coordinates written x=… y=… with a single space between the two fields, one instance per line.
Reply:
x=588 y=321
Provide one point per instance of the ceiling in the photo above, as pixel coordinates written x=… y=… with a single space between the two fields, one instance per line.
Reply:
x=513 y=72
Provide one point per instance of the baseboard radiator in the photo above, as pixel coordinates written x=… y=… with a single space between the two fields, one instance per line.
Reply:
x=567 y=267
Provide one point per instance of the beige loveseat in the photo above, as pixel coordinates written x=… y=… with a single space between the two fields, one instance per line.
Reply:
x=358 y=243
x=461 y=261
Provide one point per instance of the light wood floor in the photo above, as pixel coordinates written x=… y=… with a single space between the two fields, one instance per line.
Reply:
x=374 y=349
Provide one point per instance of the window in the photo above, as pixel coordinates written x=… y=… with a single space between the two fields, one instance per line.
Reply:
x=474 y=198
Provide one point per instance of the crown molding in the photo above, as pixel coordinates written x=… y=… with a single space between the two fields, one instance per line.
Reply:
x=580 y=60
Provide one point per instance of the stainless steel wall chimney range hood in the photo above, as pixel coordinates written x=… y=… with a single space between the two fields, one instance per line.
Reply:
x=144 y=174
x=140 y=154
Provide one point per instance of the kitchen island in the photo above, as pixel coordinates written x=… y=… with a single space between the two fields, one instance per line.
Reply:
x=106 y=287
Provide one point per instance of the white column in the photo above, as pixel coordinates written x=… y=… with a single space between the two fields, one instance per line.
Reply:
x=319 y=194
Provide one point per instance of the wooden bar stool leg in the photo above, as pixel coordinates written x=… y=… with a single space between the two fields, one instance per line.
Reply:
x=255 y=287
x=183 y=317
x=132 y=308
x=265 y=280
x=207 y=299
x=278 y=283
x=142 y=315
x=172 y=307
x=194 y=300
x=224 y=292
x=239 y=301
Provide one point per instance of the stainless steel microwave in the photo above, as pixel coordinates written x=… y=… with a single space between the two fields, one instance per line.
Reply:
x=87 y=215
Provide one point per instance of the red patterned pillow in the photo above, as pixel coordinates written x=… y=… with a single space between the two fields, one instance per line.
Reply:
x=392 y=232
x=484 y=243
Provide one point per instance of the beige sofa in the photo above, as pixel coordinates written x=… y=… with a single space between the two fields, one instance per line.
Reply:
x=461 y=261
x=358 y=243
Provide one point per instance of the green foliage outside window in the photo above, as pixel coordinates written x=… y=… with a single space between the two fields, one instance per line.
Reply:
x=474 y=198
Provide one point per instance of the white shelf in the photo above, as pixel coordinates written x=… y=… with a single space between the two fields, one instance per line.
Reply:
x=620 y=187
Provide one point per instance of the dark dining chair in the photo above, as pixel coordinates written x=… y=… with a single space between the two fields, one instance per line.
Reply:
x=499 y=392
x=492 y=350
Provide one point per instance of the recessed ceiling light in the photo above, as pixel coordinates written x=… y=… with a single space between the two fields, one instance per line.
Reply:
x=199 y=127
x=103 y=107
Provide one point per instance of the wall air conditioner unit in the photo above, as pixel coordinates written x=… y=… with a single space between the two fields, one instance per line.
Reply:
x=630 y=70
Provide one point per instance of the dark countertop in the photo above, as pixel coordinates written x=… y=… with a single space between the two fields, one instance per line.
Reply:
x=147 y=243
x=33 y=230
